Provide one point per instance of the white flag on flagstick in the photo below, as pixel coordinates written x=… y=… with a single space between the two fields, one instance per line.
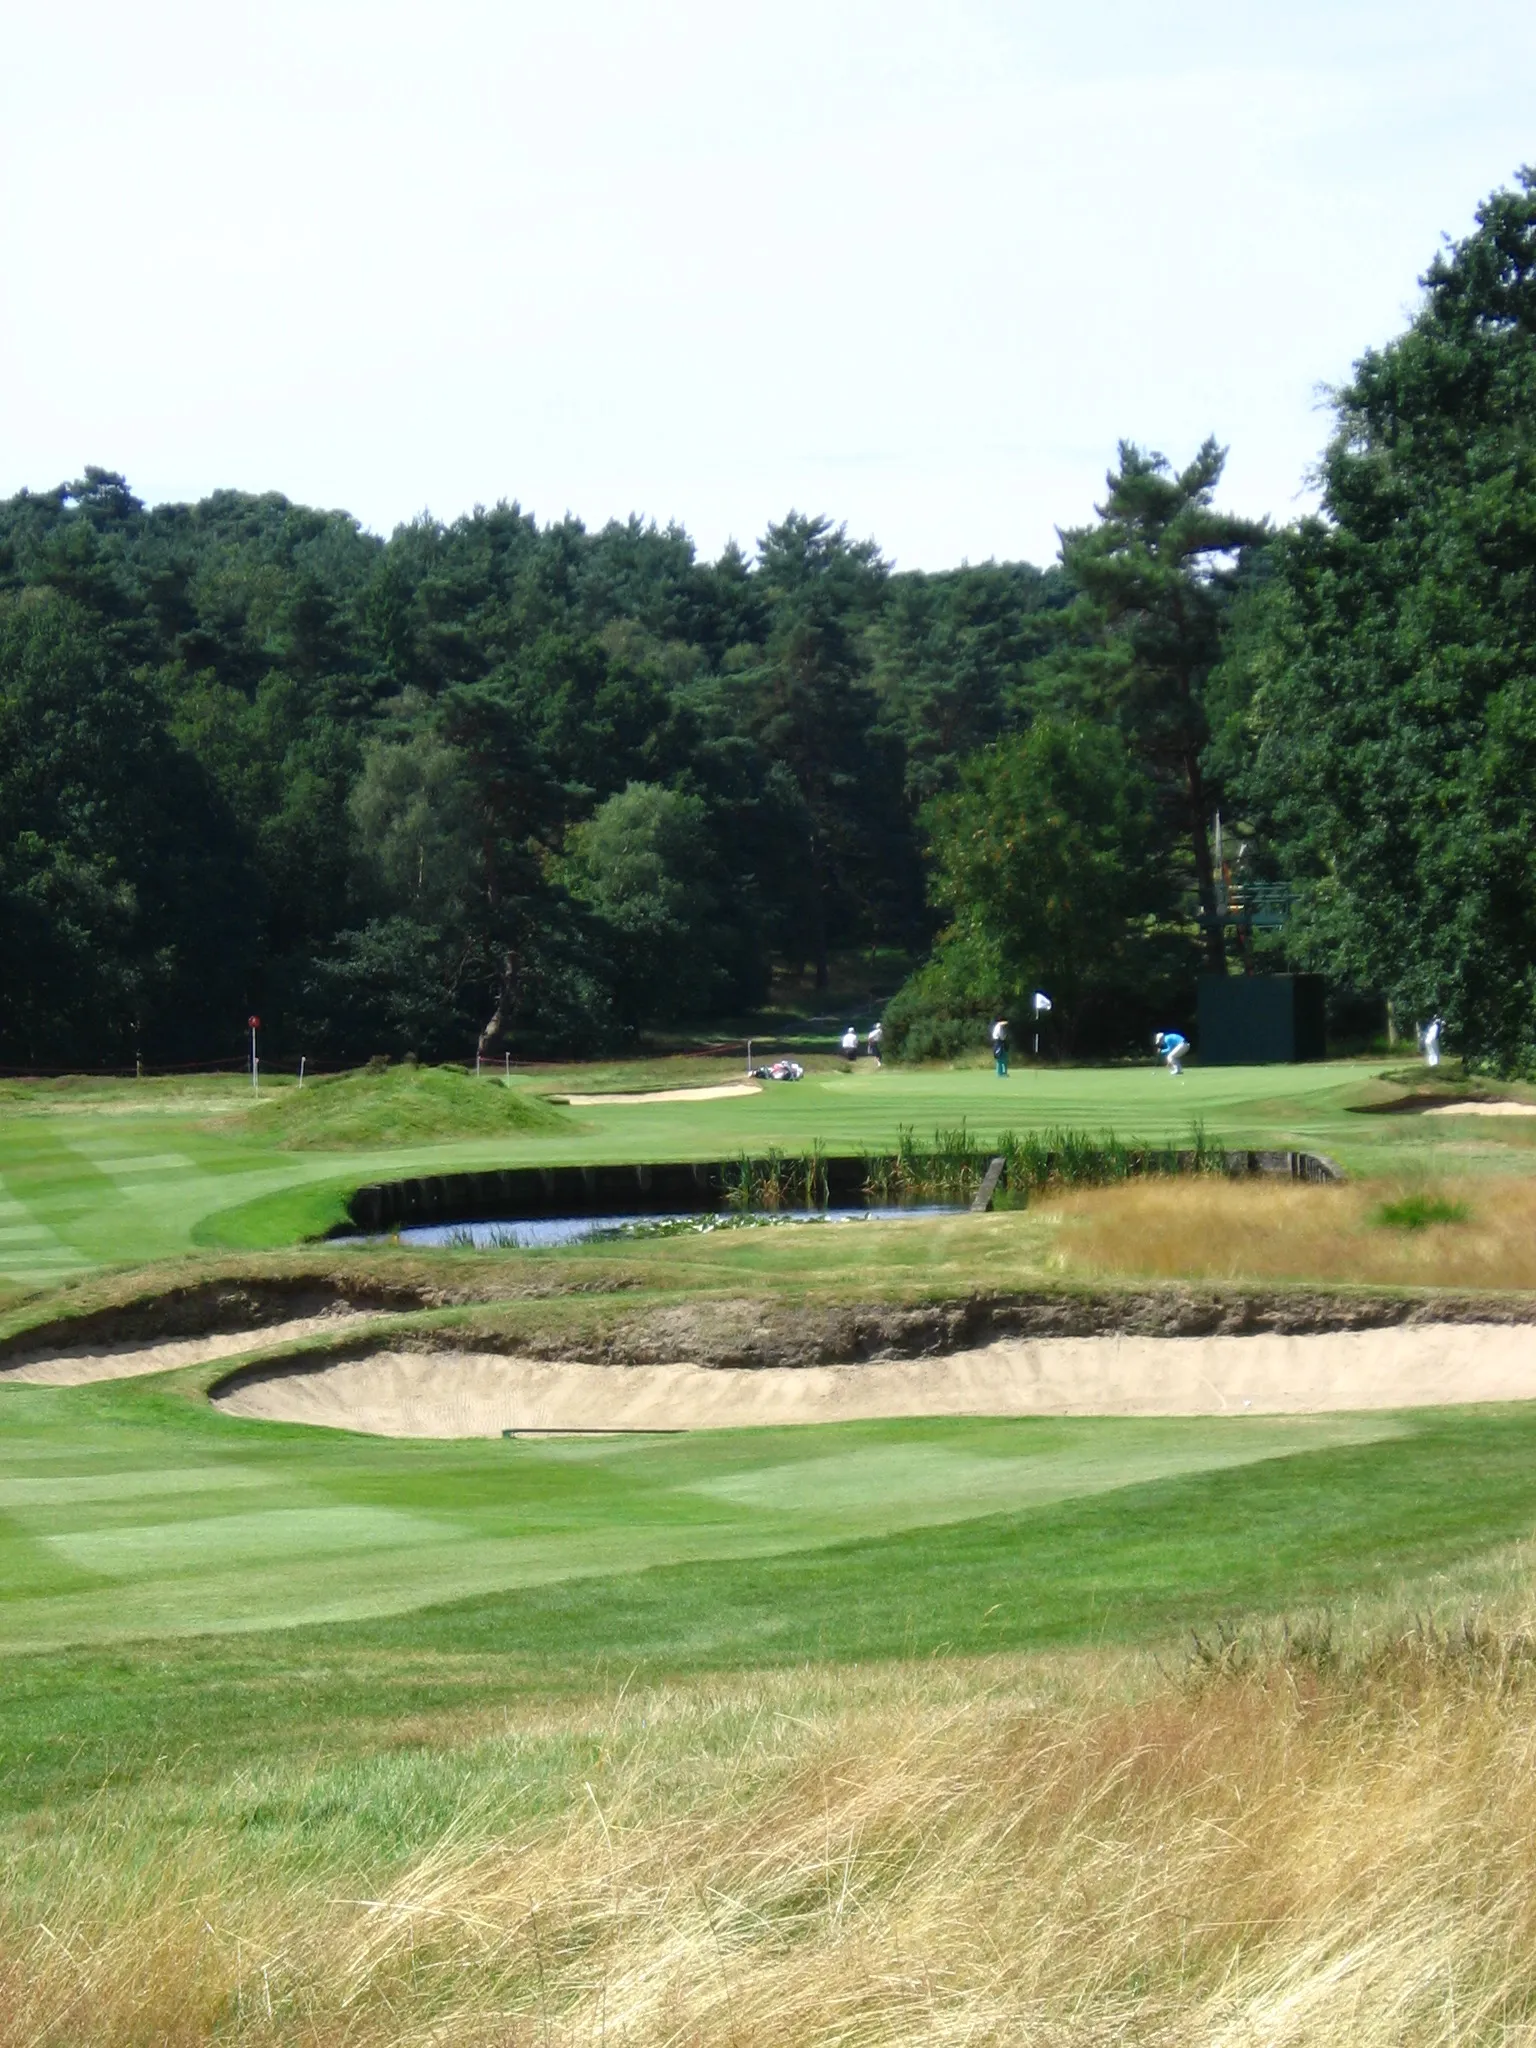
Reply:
x=1042 y=1002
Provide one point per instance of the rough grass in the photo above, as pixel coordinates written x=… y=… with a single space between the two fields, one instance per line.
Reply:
x=100 y=1095
x=1241 y=1231
x=403 y=1104
x=1296 y=1847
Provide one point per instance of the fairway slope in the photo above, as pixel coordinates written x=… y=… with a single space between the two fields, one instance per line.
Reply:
x=484 y=1394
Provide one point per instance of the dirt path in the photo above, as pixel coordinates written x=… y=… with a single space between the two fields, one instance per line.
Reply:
x=451 y=1394
x=84 y=1363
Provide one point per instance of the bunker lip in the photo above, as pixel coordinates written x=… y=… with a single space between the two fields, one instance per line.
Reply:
x=82 y=1365
x=256 y=1307
x=248 y=1305
x=750 y=1335
x=465 y=1393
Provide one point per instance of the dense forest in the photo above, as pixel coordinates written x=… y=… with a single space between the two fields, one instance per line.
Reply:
x=536 y=789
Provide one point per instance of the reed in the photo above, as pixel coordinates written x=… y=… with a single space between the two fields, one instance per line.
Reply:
x=778 y=1180
x=949 y=1169
x=1071 y=1159
x=952 y=1166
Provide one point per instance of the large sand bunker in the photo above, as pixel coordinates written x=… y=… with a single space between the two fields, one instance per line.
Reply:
x=720 y=1092
x=463 y=1393
x=1482 y=1109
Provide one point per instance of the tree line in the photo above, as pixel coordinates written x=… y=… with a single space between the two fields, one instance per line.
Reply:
x=538 y=789
x=528 y=787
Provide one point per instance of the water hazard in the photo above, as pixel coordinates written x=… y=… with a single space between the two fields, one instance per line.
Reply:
x=532 y=1233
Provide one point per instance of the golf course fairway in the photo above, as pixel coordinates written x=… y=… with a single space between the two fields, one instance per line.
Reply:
x=114 y=1173
x=325 y=1734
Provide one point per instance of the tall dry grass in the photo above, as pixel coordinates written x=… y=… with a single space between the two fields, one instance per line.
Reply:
x=1292 y=1852
x=1255 y=1230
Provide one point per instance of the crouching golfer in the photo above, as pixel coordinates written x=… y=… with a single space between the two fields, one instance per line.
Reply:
x=1000 y=1044
x=1172 y=1045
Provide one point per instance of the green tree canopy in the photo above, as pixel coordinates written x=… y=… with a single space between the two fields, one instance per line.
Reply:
x=1047 y=868
x=645 y=865
x=120 y=903
x=808 y=703
x=1388 y=665
x=467 y=697
x=1156 y=577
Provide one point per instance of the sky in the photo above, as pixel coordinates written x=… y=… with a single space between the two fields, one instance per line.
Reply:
x=918 y=267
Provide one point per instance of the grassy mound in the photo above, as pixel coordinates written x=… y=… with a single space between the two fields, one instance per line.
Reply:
x=398 y=1106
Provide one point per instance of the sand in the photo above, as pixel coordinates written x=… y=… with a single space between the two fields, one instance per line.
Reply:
x=83 y=1363
x=1482 y=1109
x=469 y=1394
x=722 y=1092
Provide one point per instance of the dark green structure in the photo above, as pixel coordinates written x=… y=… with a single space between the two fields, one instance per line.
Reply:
x=1256 y=1020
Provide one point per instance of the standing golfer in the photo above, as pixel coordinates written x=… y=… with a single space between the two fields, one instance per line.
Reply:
x=875 y=1040
x=1000 y=1044
x=1172 y=1045
x=850 y=1045
x=1429 y=1041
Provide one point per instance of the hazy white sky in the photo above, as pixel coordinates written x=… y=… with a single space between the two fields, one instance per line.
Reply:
x=915 y=265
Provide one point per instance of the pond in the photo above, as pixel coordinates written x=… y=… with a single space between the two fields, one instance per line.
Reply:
x=530 y=1233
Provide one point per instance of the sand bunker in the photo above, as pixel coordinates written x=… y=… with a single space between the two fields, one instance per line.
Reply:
x=82 y=1363
x=720 y=1093
x=1482 y=1109
x=455 y=1394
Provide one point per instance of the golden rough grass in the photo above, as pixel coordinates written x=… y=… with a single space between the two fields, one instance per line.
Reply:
x=980 y=1855
x=1253 y=1230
